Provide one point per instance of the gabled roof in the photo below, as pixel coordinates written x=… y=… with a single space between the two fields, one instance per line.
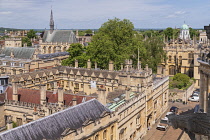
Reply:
x=60 y=36
x=52 y=126
x=19 y=52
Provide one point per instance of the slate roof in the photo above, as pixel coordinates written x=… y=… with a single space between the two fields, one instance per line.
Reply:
x=33 y=96
x=60 y=36
x=19 y=52
x=52 y=55
x=52 y=126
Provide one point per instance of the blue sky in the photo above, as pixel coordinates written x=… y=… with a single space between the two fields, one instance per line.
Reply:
x=91 y=14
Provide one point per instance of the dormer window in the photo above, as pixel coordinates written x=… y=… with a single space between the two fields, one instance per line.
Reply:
x=12 y=63
x=21 y=64
x=4 y=63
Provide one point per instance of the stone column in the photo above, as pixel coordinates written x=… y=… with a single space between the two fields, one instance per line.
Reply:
x=201 y=97
x=206 y=93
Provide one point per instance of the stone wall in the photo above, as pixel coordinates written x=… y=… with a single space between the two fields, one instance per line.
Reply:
x=175 y=94
x=2 y=121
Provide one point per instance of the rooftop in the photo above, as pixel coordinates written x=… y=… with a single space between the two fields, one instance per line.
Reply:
x=43 y=128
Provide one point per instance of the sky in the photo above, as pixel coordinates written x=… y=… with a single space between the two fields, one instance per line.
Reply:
x=91 y=14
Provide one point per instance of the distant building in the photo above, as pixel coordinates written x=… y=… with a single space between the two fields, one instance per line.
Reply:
x=13 y=42
x=185 y=32
x=56 y=40
x=17 y=60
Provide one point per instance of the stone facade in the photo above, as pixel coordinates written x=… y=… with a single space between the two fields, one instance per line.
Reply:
x=182 y=59
x=13 y=42
x=15 y=60
x=140 y=102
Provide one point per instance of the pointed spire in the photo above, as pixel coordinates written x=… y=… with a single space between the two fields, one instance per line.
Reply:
x=51 y=22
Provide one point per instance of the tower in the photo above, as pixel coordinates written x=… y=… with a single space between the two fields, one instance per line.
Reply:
x=51 y=22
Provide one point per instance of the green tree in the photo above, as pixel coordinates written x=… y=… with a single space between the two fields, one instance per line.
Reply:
x=113 y=41
x=76 y=52
x=153 y=53
x=180 y=80
x=27 y=41
x=193 y=33
x=168 y=33
x=31 y=34
x=88 y=31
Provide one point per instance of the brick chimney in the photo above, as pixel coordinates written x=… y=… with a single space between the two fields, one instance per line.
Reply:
x=43 y=94
x=15 y=91
x=60 y=96
x=111 y=66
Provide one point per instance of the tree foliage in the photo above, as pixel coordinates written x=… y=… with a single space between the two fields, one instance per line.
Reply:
x=76 y=52
x=114 y=41
x=180 y=81
x=31 y=34
x=193 y=33
x=117 y=41
x=27 y=41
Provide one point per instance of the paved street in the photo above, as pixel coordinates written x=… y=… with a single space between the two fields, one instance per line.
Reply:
x=170 y=133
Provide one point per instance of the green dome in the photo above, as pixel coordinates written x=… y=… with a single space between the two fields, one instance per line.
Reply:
x=185 y=27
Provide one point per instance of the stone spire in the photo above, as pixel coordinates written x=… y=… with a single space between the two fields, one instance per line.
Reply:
x=51 y=22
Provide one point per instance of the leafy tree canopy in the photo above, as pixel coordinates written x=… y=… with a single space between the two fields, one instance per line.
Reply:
x=76 y=52
x=193 y=33
x=88 y=31
x=31 y=34
x=180 y=81
x=117 y=41
x=114 y=41
x=27 y=41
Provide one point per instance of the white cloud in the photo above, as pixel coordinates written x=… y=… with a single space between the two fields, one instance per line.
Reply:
x=5 y=13
x=176 y=14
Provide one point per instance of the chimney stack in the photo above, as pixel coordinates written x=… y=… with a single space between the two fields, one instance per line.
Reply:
x=102 y=95
x=111 y=66
x=159 y=71
x=76 y=64
x=127 y=93
x=43 y=94
x=60 y=96
x=15 y=91
x=89 y=64
x=121 y=66
x=95 y=65
x=9 y=122
x=146 y=67
x=74 y=101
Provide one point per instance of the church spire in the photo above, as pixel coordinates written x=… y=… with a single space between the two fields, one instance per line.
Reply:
x=51 y=22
